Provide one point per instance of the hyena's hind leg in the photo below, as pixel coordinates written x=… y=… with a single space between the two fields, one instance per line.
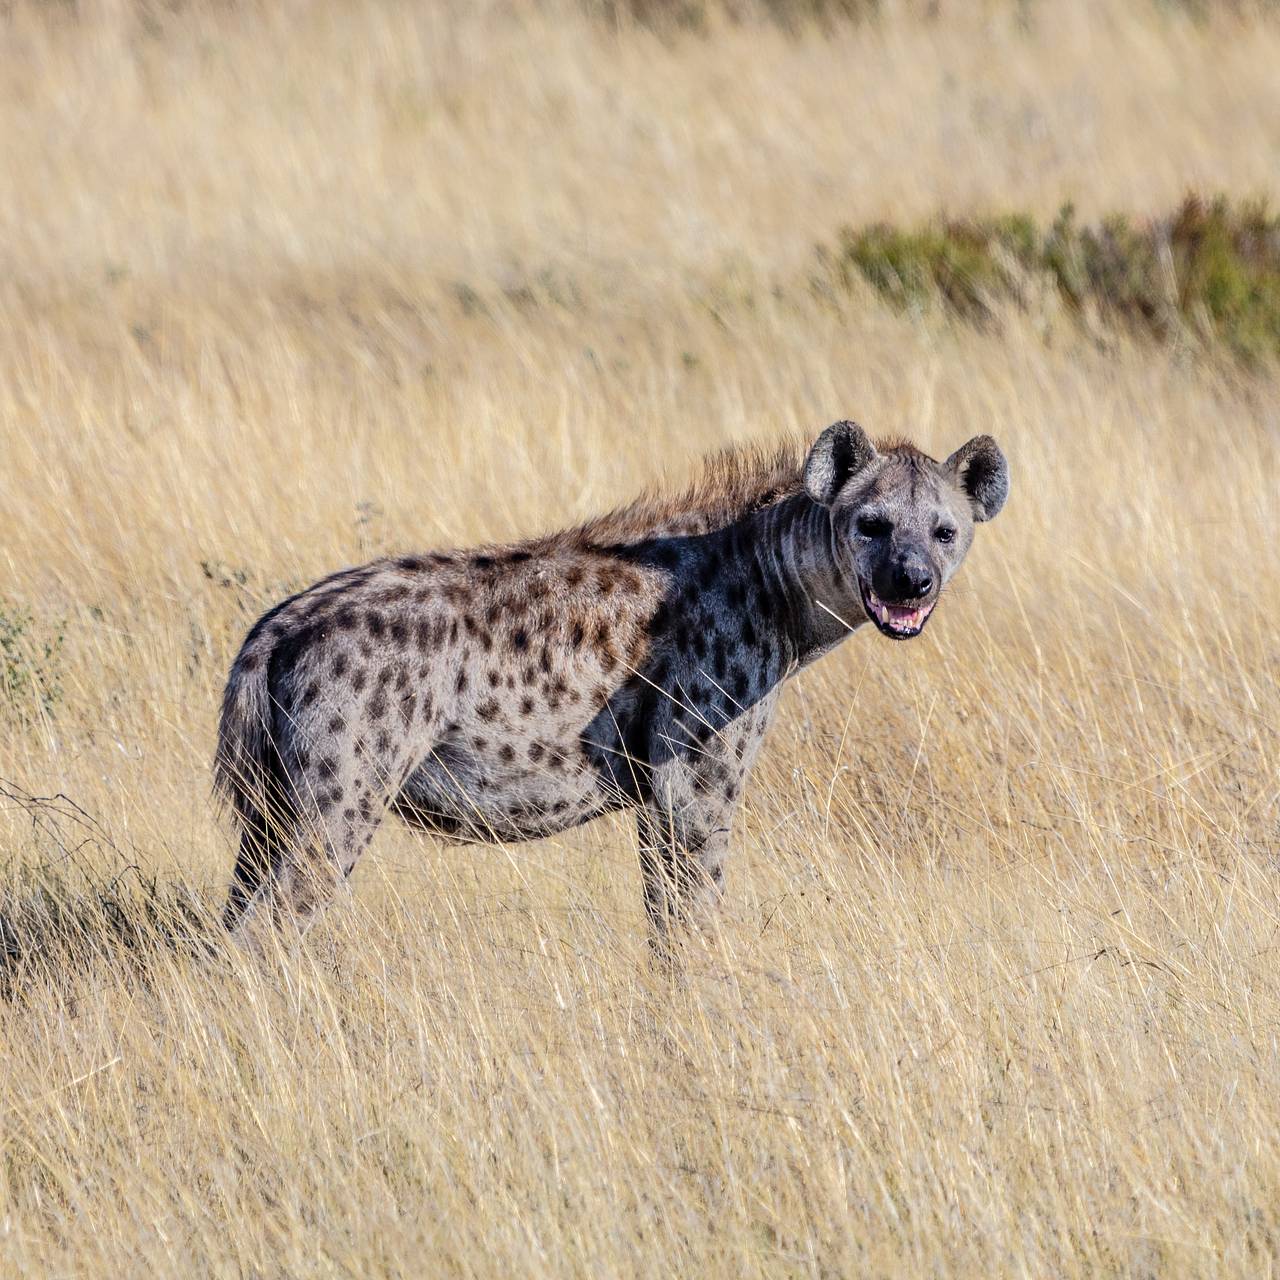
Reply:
x=335 y=793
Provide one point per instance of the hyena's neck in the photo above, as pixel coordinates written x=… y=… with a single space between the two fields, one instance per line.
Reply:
x=780 y=567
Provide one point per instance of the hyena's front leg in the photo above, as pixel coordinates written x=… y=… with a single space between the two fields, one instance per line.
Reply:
x=684 y=839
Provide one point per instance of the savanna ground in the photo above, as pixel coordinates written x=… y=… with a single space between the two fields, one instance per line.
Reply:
x=997 y=990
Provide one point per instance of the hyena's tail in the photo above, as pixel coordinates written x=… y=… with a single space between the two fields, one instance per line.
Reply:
x=249 y=772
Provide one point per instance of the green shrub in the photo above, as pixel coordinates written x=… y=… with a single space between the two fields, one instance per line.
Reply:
x=695 y=15
x=1210 y=271
x=30 y=657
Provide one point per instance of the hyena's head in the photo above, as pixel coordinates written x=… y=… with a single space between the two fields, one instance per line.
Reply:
x=901 y=522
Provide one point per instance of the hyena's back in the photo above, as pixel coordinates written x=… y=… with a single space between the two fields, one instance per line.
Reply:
x=457 y=688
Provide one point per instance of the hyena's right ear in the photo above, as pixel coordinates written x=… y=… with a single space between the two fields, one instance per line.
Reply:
x=841 y=451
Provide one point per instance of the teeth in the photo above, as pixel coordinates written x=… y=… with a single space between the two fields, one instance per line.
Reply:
x=897 y=617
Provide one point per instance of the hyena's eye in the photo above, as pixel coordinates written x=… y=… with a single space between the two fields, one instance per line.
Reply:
x=945 y=534
x=874 y=526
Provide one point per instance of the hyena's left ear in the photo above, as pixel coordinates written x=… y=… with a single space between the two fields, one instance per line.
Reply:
x=840 y=451
x=980 y=470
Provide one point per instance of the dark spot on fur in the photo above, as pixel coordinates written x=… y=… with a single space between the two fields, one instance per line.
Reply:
x=383 y=742
x=535 y=751
x=392 y=594
x=488 y=709
x=483 y=562
x=461 y=683
x=506 y=754
x=520 y=639
x=327 y=767
x=336 y=724
x=377 y=705
x=573 y=576
x=411 y=564
x=526 y=706
x=249 y=662
x=373 y=621
x=719 y=656
x=399 y=632
x=359 y=678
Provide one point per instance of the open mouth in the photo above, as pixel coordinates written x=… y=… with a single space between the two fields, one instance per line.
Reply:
x=900 y=621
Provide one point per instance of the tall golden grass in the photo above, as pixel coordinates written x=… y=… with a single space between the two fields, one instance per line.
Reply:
x=995 y=991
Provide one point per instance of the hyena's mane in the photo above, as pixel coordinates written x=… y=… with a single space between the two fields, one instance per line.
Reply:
x=733 y=483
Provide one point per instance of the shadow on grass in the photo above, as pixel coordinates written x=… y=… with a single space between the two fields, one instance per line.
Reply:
x=62 y=915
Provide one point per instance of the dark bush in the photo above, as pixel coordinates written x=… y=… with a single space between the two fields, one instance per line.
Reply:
x=1211 y=271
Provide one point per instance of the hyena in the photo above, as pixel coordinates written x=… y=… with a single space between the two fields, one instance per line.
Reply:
x=508 y=692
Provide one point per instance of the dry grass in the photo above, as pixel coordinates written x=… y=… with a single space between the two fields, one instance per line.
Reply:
x=996 y=990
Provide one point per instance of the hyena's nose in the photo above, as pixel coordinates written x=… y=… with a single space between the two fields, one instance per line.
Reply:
x=913 y=581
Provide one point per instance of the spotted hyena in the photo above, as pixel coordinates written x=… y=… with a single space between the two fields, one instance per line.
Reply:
x=509 y=692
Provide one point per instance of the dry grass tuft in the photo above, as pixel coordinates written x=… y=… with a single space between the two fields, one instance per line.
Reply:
x=285 y=287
